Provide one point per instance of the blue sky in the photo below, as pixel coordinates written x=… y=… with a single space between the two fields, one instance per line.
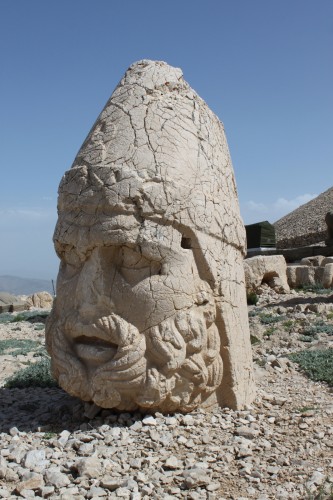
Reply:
x=263 y=66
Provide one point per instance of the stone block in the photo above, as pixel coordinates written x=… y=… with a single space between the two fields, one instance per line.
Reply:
x=270 y=269
x=299 y=276
x=327 y=280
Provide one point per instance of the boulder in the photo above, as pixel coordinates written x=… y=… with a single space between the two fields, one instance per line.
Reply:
x=327 y=279
x=312 y=261
x=11 y=303
x=40 y=300
x=299 y=276
x=269 y=269
x=327 y=260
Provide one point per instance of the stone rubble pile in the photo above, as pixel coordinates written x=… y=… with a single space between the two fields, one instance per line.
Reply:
x=306 y=225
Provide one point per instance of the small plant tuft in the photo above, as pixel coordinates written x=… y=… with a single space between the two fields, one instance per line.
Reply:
x=16 y=347
x=270 y=331
x=316 y=288
x=319 y=327
x=252 y=298
x=304 y=409
x=267 y=319
x=49 y=435
x=253 y=313
x=287 y=325
x=317 y=364
x=6 y=317
x=31 y=316
x=35 y=375
x=254 y=340
x=308 y=338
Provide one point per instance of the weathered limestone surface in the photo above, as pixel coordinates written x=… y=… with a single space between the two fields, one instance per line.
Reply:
x=151 y=305
x=269 y=269
x=11 y=303
x=304 y=275
x=42 y=300
x=328 y=276
x=317 y=260
x=311 y=271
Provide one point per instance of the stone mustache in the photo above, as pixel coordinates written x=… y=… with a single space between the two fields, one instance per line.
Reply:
x=151 y=309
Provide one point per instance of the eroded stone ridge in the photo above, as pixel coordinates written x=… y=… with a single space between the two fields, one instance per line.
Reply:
x=151 y=309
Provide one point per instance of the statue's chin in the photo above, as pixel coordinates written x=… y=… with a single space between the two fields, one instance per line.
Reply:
x=172 y=367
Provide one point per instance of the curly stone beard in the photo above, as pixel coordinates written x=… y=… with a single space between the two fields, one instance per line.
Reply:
x=175 y=365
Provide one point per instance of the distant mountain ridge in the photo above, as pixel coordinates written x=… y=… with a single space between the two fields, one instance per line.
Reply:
x=24 y=286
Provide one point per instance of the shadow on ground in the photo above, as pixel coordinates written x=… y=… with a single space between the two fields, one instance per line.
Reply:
x=37 y=408
x=52 y=410
x=326 y=299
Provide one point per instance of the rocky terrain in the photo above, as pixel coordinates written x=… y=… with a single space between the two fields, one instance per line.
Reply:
x=305 y=225
x=280 y=447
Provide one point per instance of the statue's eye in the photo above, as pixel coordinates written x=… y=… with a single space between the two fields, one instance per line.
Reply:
x=186 y=243
x=68 y=271
x=135 y=267
x=70 y=261
x=132 y=259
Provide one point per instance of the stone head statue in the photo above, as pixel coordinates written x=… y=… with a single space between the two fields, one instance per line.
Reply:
x=151 y=309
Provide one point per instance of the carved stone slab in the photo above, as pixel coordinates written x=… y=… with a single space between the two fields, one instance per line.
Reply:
x=151 y=307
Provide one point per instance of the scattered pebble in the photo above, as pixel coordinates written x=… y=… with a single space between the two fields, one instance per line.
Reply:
x=280 y=447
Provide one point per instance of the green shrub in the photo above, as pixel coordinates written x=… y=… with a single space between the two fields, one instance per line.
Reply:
x=267 y=319
x=6 y=317
x=287 y=325
x=254 y=340
x=269 y=331
x=307 y=338
x=318 y=364
x=253 y=313
x=31 y=316
x=49 y=435
x=39 y=326
x=314 y=288
x=35 y=375
x=16 y=347
x=318 y=327
x=252 y=298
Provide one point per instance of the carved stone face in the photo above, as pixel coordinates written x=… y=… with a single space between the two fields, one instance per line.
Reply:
x=151 y=291
x=135 y=321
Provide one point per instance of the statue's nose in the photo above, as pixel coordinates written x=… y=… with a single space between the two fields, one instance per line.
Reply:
x=95 y=292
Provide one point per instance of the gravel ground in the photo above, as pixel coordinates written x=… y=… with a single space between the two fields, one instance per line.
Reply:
x=280 y=447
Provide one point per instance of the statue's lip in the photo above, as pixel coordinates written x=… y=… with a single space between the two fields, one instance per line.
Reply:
x=90 y=334
x=94 y=349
